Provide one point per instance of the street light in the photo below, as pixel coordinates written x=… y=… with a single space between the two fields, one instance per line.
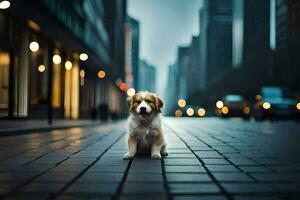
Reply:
x=130 y=92
x=181 y=103
x=101 y=74
x=34 y=46
x=56 y=59
x=68 y=65
x=4 y=4
x=83 y=56
x=190 y=112
x=219 y=104
x=201 y=112
x=41 y=68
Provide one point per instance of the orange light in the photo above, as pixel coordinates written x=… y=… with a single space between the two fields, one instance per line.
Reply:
x=178 y=113
x=246 y=110
x=201 y=112
x=122 y=86
x=258 y=97
x=101 y=74
x=298 y=106
x=225 y=110
x=181 y=103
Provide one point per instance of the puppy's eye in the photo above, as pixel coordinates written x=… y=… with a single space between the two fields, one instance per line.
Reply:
x=138 y=101
x=149 y=101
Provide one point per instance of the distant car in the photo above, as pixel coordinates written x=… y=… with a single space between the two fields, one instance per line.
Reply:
x=276 y=102
x=233 y=105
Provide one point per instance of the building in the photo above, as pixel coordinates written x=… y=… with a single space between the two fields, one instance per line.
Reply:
x=147 y=76
x=171 y=89
x=60 y=59
x=194 y=72
x=286 y=42
x=216 y=38
x=132 y=52
x=184 y=62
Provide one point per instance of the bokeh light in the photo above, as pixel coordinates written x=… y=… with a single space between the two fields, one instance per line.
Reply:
x=83 y=56
x=41 y=68
x=219 y=104
x=201 y=112
x=178 y=113
x=225 y=110
x=34 y=46
x=190 y=112
x=56 y=59
x=68 y=65
x=181 y=103
x=130 y=92
x=101 y=74
x=266 y=105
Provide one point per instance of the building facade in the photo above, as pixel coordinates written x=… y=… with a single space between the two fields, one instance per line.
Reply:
x=51 y=53
x=147 y=76
x=132 y=52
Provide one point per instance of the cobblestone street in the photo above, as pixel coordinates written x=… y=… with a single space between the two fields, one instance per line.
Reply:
x=209 y=158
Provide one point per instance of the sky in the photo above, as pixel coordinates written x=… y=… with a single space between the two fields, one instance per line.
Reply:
x=164 y=25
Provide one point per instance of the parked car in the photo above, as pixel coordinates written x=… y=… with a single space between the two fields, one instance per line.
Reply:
x=233 y=105
x=276 y=102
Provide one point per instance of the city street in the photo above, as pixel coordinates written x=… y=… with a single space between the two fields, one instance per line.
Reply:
x=209 y=158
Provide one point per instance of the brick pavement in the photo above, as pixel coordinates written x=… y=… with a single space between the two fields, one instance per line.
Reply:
x=208 y=159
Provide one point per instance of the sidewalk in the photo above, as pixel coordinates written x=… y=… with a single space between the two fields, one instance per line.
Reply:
x=12 y=127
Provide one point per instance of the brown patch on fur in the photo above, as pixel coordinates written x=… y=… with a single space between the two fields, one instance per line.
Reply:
x=152 y=99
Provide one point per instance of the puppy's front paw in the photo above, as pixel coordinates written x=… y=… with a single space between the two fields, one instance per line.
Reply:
x=164 y=153
x=127 y=156
x=156 y=156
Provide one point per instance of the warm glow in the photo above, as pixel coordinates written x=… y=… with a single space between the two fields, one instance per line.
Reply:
x=130 y=92
x=101 y=74
x=178 y=113
x=82 y=73
x=225 y=110
x=181 y=103
x=4 y=4
x=122 y=86
x=190 y=111
x=219 y=104
x=68 y=65
x=34 y=46
x=33 y=25
x=246 y=110
x=258 y=97
x=201 y=112
x=266 y=105
x=41 y=68
x=298 y=106
x=83 y=56
x=56 y=59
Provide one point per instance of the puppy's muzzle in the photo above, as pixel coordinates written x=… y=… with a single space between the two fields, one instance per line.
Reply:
x=143 y=110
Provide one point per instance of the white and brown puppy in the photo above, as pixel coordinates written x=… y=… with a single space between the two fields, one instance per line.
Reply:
x=144 y=126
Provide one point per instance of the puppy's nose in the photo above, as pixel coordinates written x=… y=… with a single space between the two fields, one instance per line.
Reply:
x=143 y=109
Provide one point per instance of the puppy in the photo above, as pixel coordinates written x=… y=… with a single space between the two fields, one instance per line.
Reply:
x=144 y=126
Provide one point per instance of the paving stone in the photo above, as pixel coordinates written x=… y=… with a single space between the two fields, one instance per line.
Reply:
x=185 y=177
x=254 y=169
x=174 y=161
x=216 y=162
x=240 y=188
x=42 y=187
x=143 y=188
x=208 y=154
x=92 y=189
x=193 y=188
x=245 y=197
x=232 y=177
x=222 y=168
x=101 y=177
x=283 y=177
x=185 y=169
x=145 y=177
x=199 y=197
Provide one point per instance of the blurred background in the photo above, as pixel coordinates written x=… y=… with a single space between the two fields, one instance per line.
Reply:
x=80 y=59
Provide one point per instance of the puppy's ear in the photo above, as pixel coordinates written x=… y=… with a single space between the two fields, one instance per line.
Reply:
x=130 y=102
x=159 y=103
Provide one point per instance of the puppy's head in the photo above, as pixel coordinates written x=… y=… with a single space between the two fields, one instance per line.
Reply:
x=145 y=104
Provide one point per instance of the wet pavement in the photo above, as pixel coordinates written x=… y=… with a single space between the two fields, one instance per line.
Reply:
x=210 y=158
